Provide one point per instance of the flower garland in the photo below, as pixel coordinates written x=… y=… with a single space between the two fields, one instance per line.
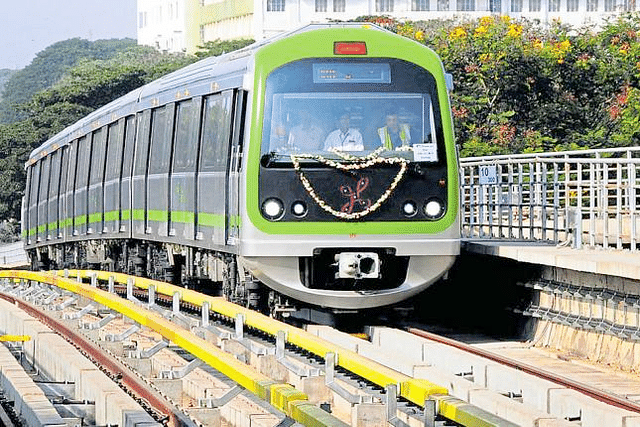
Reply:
x=356 y=163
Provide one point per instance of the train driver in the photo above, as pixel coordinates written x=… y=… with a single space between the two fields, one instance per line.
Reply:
x=394 y=134
x=306 y=135
x=345 y=138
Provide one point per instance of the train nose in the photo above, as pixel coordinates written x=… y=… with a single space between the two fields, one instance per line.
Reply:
x=358 y=265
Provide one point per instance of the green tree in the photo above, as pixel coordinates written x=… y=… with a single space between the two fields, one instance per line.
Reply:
x=218 y=47
x=49 y=66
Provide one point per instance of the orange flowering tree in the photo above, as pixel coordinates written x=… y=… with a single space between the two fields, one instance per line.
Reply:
x=521 y=87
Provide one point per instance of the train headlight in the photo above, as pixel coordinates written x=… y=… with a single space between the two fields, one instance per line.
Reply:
x=273 y=209
x=299 y=209
x=434 y=209
x=409 y=208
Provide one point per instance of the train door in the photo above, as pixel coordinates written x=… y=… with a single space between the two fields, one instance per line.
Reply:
x=127 y=170
x=80 y=199
x=233 y=200
x=32 y=204
x=113 y=168
x=213 y=170
x=24 y=213
x=65 y=203
x=139 y=178
x=183 y=170
x=54 y=196
x=162 y=119
x=96 y=182
x=43 y=199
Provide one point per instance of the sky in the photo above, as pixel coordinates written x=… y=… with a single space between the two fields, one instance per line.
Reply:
x=29 y=26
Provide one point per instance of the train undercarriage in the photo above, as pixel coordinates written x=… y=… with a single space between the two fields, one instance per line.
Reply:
x=210 y=272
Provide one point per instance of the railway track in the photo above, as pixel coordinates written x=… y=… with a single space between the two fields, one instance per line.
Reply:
x=198 y=360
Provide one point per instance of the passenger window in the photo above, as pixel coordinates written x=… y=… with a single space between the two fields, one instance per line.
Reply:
x=142 y=145
x=43 y=194
x=35 y=181
x=84 y=149
x=54 y=183
x=72 y=154
x=129 y=141
x=186 y=145
x=216 y=132
x=161 y=125
x=114 y=150
x=98 y=155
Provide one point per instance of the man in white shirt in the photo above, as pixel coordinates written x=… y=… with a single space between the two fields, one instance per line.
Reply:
x=344 y=138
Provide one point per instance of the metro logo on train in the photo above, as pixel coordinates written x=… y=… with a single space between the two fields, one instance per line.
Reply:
x=315 y=169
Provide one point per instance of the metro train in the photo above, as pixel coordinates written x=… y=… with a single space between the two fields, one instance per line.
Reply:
x=313 y=170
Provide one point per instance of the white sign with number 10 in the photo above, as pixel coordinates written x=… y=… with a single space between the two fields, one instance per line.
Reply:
x=488 y=174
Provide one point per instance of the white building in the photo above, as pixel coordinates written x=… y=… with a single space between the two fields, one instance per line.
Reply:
x=182 y=25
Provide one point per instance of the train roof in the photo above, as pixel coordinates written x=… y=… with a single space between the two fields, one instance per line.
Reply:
x=205 y=76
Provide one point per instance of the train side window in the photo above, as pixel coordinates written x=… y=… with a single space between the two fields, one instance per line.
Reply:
x=114 y=150
x=72 y=154
x=43 y=193
x=161 y=135
x=98 y=155
x=129 y=141
x=84 y=151
x=216 y=132
x=142 y=144
x=186 y=143
x=35 y=184
x=54 y=183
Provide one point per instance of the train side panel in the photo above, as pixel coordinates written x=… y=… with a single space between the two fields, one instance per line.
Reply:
x=184 y=168
x=95 y=195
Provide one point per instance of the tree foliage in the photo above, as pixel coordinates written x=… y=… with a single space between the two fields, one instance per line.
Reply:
x=521 y=87
x=49 y=66
x=218 y=47
x=85 y=87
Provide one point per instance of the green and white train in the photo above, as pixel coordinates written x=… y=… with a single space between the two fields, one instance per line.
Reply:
x=314 y=169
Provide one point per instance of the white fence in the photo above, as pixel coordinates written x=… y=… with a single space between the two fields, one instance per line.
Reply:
x=13 y=255
x=575 y=197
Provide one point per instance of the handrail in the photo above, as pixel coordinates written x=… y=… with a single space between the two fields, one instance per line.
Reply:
x=577 y=198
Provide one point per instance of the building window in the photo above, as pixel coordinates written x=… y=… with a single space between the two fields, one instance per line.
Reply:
x=321 y=5
x=143 y=19
x=339 y=5
x=554 y=5
x=629 y=5
x=419 y=5
x=384 y=5
x=535 y=5
x=443 y=5
x=466 y=5
x=275 y=5
x=516 y=5
x=495 y=6
x=592 y=5
x=572 y=5
x=609 y=5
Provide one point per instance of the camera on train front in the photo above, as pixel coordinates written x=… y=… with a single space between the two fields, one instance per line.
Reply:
x=358 y=265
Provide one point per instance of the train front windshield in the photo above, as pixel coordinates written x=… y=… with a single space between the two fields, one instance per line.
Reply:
x=354 y=106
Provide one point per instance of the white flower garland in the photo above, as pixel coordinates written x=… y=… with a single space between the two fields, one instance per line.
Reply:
x=355 y=163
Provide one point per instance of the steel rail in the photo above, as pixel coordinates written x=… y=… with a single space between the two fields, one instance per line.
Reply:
x=284 y=397
x=116 y=369
x=414 y=390
x=602 y=396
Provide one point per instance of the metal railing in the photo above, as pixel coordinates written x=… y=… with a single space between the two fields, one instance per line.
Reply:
x=573 y=198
